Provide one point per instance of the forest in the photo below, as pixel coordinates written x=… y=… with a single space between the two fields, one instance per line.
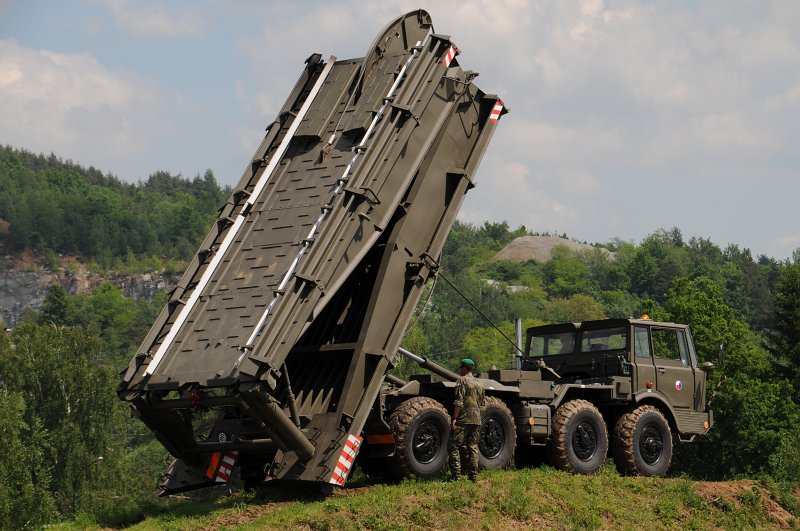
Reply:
x=71 y=450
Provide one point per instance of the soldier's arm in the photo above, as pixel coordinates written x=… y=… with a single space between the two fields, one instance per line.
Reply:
x=458 y=403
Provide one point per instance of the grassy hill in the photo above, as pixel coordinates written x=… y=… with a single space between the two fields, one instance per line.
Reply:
x=512 y=499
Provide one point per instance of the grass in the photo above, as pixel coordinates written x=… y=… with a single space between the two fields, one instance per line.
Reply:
x=510 y=499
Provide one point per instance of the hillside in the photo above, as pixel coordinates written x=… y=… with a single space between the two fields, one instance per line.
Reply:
x=521 y=499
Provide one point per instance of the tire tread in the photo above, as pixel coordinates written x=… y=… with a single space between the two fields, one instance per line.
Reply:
x=558 y=447
x=622 y=447
x=493 y=401
x=399 y=421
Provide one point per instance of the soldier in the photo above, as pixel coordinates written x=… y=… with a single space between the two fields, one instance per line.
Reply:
x=465 y=426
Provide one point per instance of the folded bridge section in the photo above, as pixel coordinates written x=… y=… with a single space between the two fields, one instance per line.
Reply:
x=273 y=347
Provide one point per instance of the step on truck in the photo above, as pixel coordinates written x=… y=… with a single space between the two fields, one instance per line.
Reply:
x=580 y=391
x=273 y=348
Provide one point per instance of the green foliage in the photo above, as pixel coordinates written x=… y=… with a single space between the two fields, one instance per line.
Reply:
x=488 y=346
x=754 y=410
x=574 y=309
x=120 y=321
x=25 y=496
x=68 y=445
x=59 y=207
x=566 y=273
x=786 y=338
x=620 y=304
x=70 y=404
x=784 y=462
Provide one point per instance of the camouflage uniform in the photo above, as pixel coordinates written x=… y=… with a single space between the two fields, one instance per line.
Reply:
x=464 y=438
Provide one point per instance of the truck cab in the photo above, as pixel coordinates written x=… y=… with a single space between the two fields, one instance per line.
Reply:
x=659 y=358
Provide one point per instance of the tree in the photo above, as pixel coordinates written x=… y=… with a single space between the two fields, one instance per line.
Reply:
x=416 y=342
x=25 y=496
x=754 y=409
x=54 y=308
x=577 y=308
x=71 y=409
x=488 y=346
x=566 y=273
x=786 y=338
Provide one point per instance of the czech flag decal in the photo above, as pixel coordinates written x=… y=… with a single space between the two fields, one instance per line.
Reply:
x=678 y=385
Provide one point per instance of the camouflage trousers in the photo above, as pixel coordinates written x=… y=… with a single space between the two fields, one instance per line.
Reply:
x=464 y=444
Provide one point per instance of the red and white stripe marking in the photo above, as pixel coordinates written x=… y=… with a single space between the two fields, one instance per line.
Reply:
x=449 y=56
x=226 y=467
x=345 y=462
x=496 y=110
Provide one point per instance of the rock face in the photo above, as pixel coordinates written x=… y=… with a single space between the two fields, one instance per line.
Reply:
x=27 y=289
x=20 y=290
x=540 y=248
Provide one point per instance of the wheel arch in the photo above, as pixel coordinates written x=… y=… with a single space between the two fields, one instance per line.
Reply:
x=660 y=403
x=598 y=396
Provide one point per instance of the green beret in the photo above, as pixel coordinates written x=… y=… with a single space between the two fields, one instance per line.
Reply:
x=468 y=362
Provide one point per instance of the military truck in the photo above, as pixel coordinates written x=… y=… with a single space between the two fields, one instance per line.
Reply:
x=271 y=357
x=581 y=390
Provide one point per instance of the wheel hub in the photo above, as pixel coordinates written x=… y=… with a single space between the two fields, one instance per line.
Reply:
x=584 y=441
x=650 y=445
x=493 y=436
x=427 y=440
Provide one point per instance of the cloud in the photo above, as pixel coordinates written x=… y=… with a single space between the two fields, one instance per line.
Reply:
x=154 y=20
x=626 y=116
x=72 y=105
x=786 y=245
x=521 y=200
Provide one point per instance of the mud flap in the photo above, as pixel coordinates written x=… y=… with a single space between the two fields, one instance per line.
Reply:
x=182 y=477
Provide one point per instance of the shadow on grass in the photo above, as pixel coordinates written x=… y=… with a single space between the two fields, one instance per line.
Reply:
x=203 y=503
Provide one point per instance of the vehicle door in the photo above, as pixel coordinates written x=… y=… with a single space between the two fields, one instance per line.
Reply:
x=645 y=370
x=674 y=371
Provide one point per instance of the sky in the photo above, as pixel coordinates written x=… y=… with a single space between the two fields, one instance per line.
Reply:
x=625 y=116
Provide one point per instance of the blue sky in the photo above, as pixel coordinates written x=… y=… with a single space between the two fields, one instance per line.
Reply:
x=626 y=116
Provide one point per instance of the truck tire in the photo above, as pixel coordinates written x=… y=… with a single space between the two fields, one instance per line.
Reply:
x=421 y=427
x=498 y=436
x=579 y=442
x=642 y=443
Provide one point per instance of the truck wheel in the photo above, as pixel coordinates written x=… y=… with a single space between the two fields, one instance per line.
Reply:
x=421 y=427
x=579 y=442
x=498 y=435
x=642 y=443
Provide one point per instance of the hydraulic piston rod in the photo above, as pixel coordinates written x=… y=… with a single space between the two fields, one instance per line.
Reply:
x=428 y=364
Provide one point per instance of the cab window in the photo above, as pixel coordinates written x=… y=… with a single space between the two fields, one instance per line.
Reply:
x=670 y=345
x=641 y=342
x=608 y=339
x=549 y=344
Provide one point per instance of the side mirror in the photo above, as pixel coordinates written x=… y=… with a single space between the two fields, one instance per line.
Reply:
x=707 y=367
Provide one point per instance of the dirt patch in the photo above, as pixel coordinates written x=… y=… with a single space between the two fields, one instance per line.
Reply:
x=540 y=248
x=28 y=261
x=733 y=491
x=68 y=260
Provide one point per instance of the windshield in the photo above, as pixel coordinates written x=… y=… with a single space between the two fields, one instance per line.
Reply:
x=549 y=344
x=608 y=339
